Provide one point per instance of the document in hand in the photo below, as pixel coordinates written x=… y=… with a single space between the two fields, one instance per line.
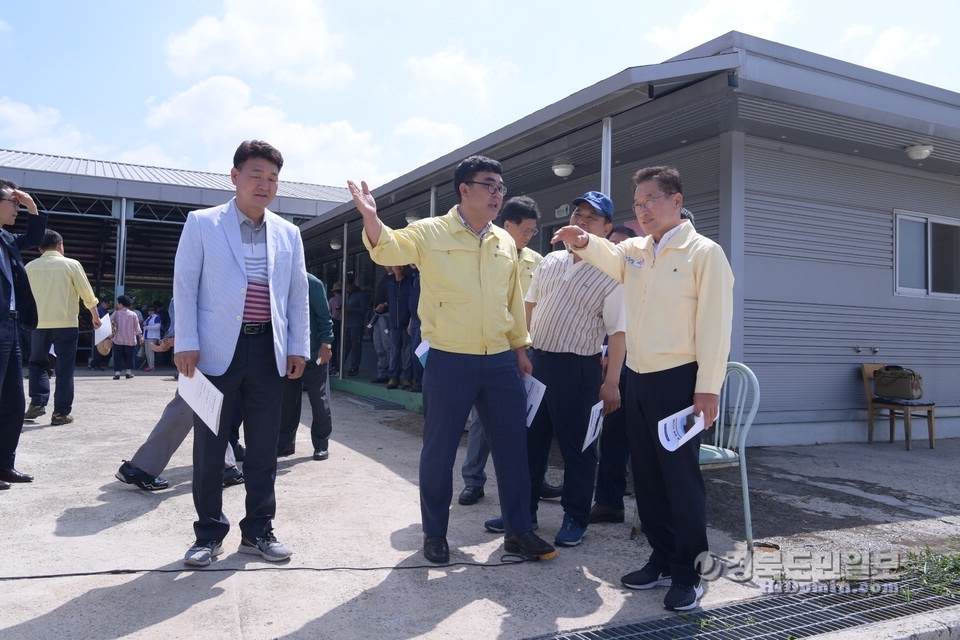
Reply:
x=535 y=390
x=676 y=430
x=595 y=426
x=204 y=398
x=104 y=332
x=421 y=352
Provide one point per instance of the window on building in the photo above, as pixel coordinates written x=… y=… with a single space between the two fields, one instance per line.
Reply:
x=927 y=255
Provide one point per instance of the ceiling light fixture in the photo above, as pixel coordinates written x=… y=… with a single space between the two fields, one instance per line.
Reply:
x=411 y=217
x=562 y=169
x=335 y=244
x=919 y=151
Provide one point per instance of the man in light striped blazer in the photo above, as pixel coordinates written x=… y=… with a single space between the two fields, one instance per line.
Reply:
x=242 y=320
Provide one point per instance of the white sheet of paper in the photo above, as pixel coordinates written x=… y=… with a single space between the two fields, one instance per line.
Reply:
x=595 y=426
x=675 y=430
x=204 y=398
x=421 y=351
x=101 y=334
x=535 y=390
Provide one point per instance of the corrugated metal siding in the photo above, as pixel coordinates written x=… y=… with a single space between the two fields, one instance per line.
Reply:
x=819 y=280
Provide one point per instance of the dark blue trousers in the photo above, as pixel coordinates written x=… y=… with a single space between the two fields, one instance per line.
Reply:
x=573 y=387
x=250 y=381
x=671 y=497
x=452 y=383
x=315 y=380
x=614 y=452
x=12 y=402
x=64 y=341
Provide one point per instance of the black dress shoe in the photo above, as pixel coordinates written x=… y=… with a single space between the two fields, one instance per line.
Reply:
x=529 y=545
x=603 y=513
x=287 y=451
x=548 y=490
x=12 y=475
x=435 y=549
x=321 y=454
x=470 y=495
x=4 y=485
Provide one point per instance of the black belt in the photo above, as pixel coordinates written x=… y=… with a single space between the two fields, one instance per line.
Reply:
x=252 y=328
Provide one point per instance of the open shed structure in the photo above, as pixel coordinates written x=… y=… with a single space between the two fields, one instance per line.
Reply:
x=834 y=190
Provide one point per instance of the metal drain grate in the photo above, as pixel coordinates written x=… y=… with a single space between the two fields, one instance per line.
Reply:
x=799 y=615
x=375 y=403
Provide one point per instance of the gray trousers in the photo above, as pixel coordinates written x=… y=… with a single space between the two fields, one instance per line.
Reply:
x=171 y=430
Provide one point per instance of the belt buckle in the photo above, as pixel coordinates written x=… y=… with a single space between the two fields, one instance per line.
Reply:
x=252 y=328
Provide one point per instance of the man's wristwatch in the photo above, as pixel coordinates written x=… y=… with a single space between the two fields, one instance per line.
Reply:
x=326 y=344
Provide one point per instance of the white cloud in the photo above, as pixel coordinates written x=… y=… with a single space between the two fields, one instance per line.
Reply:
x=39 y=129
x=450 y=76
x=761 y=18
x=898 y=51
x=214 y=115
x=856 y=32
x=289 y=42
x=429 y=140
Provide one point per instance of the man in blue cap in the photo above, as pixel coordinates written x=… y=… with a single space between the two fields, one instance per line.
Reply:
x=571 y=306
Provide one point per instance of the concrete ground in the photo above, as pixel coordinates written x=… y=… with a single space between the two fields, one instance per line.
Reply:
x=89 y=557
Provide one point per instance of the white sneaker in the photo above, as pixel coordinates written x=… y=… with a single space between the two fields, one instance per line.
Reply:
x=267 y=547
x=202 y=553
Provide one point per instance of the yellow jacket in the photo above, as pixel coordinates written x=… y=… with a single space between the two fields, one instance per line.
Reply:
x=470 y=297
x=529 y=261
x=58 y=283
x=679 y=304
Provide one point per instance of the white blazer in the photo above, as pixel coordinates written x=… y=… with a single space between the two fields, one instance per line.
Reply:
x=210 y=284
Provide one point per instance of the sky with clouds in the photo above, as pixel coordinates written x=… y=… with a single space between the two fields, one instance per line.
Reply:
x=373 y=89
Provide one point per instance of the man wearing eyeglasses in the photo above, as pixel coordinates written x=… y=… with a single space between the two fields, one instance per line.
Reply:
x=678 y=287
x=471 y=309
x=518 y=218
x=17 y=305
x=571 y=306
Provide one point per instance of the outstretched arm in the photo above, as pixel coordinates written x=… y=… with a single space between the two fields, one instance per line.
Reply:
x=367 y=207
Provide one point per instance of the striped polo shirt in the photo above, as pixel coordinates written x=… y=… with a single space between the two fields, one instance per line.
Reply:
x=576 y=306
x=256 y=305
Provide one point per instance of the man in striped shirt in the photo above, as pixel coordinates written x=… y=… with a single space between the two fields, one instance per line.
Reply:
x=242 y=320
x=571 y=305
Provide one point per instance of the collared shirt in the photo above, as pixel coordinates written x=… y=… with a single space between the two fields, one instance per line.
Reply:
x=470 y=298
x=463 y=221
x=529 y=260
x=256 y=305
x=577 y=305
x=58 y=283
x=7 y=273
x=679 y=301
x=127 y=327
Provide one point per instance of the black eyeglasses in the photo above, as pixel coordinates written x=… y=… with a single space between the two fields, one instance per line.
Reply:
x=492 y=187
x=12 y=199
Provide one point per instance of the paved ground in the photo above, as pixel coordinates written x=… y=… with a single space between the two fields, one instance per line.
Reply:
x=89 y=557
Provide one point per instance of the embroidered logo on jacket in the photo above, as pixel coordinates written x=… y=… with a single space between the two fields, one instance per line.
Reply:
x=635 y=263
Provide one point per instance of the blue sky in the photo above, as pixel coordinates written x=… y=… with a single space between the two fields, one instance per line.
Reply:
x=373 y=89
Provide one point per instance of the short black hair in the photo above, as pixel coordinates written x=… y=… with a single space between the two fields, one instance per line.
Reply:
x=7 y=184
x=50 y=240
x=518 y=209
x=668 y=177
x=126 y=301
x=470 y=167
x=256 y=149
x=623 y=230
